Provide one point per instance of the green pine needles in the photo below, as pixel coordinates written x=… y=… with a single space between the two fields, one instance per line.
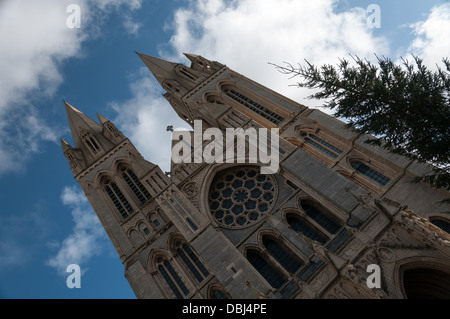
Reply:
x=404 y=107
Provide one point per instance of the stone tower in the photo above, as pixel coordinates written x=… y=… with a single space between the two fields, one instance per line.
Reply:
x=338 y=219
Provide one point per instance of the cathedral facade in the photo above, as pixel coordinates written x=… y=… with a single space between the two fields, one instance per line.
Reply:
x=338 y=219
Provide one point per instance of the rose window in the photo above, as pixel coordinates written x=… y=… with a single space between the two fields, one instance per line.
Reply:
x=241 y=196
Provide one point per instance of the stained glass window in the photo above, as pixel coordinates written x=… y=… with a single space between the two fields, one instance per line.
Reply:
x=135 y=185
x=282 y=255
x=254 y=106
x=273 y=277
x=321 y=218
x=172 y=278
x=192 y=262
x=217 y=293
x=119 y=200
x=302 y=226
x=441 y=223
x=370 y=172
x=322 y=145
x=239 y=196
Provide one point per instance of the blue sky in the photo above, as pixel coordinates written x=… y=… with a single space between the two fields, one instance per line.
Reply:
x=45 y=221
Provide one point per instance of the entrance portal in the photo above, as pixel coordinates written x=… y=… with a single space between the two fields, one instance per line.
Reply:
x=426 y=283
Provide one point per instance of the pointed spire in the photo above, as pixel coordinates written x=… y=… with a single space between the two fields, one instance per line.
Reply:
x=78 y=122
x=161 y=69
x=65 y=146
x=191 y=57
x=102 y=119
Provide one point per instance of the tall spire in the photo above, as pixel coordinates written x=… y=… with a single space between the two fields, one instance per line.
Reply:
x=161 y=69
x=191 y=57
x=65 y=146
x=79 y=122
x=102 y=119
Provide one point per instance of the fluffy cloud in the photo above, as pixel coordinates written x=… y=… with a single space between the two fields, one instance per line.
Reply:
x=245 y=35
x=87 y=237
x=431 y=42
x=145 y=117
x=34 y=42
x=248 y=34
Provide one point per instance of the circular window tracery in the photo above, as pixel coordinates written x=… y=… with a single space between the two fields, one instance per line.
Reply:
x=239 y=197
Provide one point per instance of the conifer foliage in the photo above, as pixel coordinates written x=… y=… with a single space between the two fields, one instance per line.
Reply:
x=405 y=107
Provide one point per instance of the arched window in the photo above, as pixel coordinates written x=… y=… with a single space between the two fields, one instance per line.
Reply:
x=186 y=73
x=90 y=142
x=135 y=184
x=442 y=223
x=136 y=238
x=321 y=217
x=303 y=226
x=273 y=277
x=218 y=292
x=241 y=196
x=282 y=255
x=144 y=229
x=118 y=199
x=191 y=261
x=214 y=99
x=192 y=224
x=426 y=283
x=172 y=278
x=250 y=104
x=321 y=145
x=153 y=217
x=370 y=172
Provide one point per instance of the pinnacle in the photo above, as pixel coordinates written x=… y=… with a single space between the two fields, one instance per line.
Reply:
x=161 y=69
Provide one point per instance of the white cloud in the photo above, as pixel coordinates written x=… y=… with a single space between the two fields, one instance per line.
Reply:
x=131 y=26
x=87 y=237
x=145 y=117
x=248 y=34
x=245 y=35
x=34 y=43
x=115 y=4
x=432 y=36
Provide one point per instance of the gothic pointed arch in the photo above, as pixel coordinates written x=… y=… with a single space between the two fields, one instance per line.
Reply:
x=115 y=196
x=318 y=215
x=422 y=278
x=279 y=249
x=265 y=266
x=91 y=143
x=167 y=274
x=217 y=291
x=192 y=263
x=252 y=105
x=135 y=186
x=441 y=222
x=368 y=173
x=302 y=226
x=135 y=237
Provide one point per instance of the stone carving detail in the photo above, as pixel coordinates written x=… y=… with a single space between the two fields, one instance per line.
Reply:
x=358 y=279
x=423 y=230
x=374 y=226
x=391 y=239
x=338 y=293
x=320 y=281
x=351 y=273
x=368 y=259
x=386 y=254
x=190 y=189
x=351 y=249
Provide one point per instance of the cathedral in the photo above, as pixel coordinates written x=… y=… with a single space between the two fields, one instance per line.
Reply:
x=337 y=219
